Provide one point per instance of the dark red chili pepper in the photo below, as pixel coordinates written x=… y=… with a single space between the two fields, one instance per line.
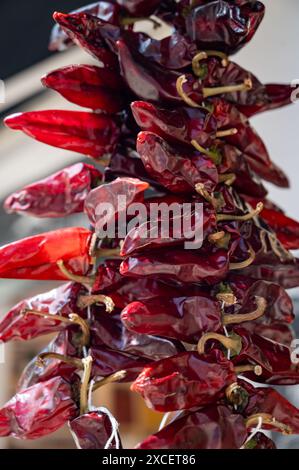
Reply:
x=61 y=301
x=178 y=172
x=139 y=7
x=185 y=318
x=38 y=410
x=178 y=265
x=286 y=274
x=270 y=401
x=119 y=194
x=106 y=11
x=222 y=26
x=93 y=430
x=58 y=195
x=278 y=331
x=192 y=431
x=274 y=96
x=286 y=229
x=184 y=381
x=260 y=441
x=36 y=257
x=94 y=35
x=88 y=86
x=92 y=134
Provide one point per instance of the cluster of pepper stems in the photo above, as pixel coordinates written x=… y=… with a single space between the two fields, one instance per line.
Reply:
x=188 y=328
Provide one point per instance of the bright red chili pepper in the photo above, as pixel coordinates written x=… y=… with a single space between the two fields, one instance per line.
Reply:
x=92 y=134
x=36 y=257
x=58 y=195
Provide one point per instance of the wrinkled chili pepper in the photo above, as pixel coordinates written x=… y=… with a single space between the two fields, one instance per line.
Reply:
x=39 y=410
x=93 y=430
x=119 y=194
x=58 y=195
x=92 y=134
x=36 y=257
x=224 y=27
x=184 y=381
x=88 y=86
x=183 y=318
x=106 y=11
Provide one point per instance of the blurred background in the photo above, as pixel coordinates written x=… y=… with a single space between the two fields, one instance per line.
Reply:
x=24 y=33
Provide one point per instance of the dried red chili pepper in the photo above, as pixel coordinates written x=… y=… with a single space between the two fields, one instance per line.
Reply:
x=222 y=26
x=93 y=430
x=58 y=195
x=119 y=194
x=92 y=34
x=175 y=171
x=92 y=134
x=38 y=410
x=88 y=86
x=178 y=265
x=139 y=7
x=184 y=381
x=184 y=318
x=274 y=96
x=106 y=11
x=260 y=441
x=36 y=257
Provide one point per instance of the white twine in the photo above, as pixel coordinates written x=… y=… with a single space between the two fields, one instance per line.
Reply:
x=227 y=335
x=254 y=432
x=114 y=422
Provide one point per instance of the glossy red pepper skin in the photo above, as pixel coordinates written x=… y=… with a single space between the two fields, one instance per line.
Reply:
x=87 y=86
x=131 y=188
x=36 y=257
x=274 y=96
x=106 y=11
x=92 y=34
x=184 y=381
x=58 y=195
x=270 y=401
x=182 y=318
x=92 y=134
x=286 y=229
x=285 y=274
x=178 y=172
x=61 y=301
x=183 y=266
x=279 y=332
x=193 y=431
x=38 y=410
x=139 y=7
x=222 y=26
x=93 y=430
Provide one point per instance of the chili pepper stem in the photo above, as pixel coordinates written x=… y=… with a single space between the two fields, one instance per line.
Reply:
x=85 y=301
x=110 y=379
x=240 y=318
x=73 y=361
x=243 y=218
x=128 y=21
x=108 y=252
x=87 y=367
x=209 y=153
x=245 y=263
x=227 y=298
x=237 y=396
x=249 y=368
x=233 y=343
x=85 y=280
x=202 y=191
x=75 y=318
x=196 y=62
x=179 y=86
x=226 y=133
x=253 y=420
x=245 y=86
x=227 y=178
x=215 y=237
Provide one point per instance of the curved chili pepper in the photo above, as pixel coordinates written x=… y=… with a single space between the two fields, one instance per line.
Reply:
x=92 y=134
x=177 y=172
x=119 y=194
x=93 y=430
x=36 y=257
x=91 y=33
x=61 y=301
x=274 y=96
x=286 y=229
x=184 y=381
x=58 y=195
x=222 y=26
x=38 y=410
x=106 y=11
x=178 y=265
x=88 y=86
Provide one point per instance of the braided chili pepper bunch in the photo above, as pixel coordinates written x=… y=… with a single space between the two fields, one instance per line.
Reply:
x=183 y=325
